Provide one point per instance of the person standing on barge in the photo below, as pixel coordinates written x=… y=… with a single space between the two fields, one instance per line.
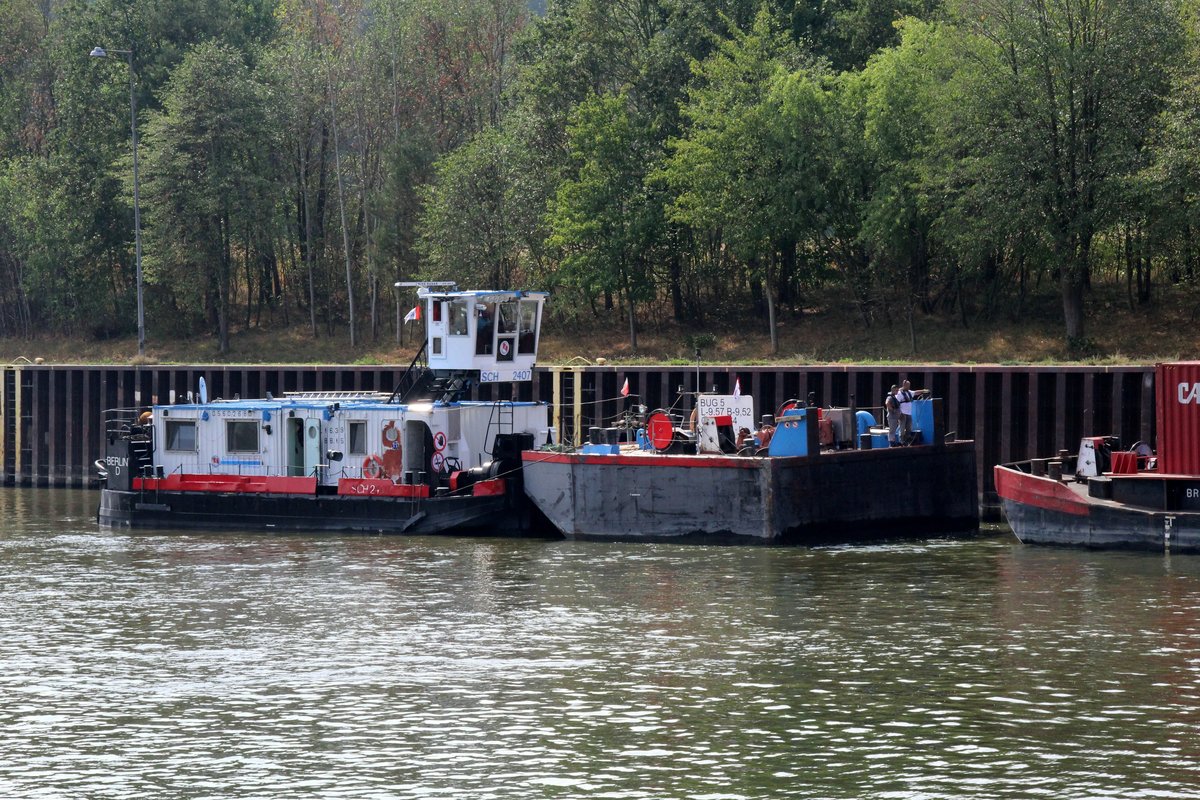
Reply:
x=891 y=407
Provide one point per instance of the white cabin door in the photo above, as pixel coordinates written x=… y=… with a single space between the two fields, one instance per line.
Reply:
x=312 y=446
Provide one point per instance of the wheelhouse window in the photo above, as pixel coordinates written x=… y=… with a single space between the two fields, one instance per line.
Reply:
x=506 y=330
x=458 y=317
x=358 y=438
x=527 y=342
x=241 y=436
x=181 y=435
x=508 y=317
x=485 y=328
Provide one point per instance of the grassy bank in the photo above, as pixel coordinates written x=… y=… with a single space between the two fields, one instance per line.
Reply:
x=828 y=332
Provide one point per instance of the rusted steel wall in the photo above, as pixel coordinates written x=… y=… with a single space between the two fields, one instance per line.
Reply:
x=52 y=431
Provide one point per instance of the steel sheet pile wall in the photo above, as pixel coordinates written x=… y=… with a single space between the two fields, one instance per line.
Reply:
x=52 y=431
x=1179 y=418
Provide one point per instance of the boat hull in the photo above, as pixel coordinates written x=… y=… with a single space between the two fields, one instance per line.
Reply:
x=1045 y=511
x=842 y=496
x=503 y=515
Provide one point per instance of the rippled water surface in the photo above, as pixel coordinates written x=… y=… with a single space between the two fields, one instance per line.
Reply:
x=239 y=665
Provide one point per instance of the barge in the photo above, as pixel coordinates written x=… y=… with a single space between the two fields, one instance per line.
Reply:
x=417 y=460
x=1108 y=497
x=826 y=475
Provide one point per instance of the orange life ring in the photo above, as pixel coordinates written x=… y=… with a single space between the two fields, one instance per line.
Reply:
x=372 y=467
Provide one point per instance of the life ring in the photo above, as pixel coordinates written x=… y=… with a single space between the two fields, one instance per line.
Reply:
x=372 y=467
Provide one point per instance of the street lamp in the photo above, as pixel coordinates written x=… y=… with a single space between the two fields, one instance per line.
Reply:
x=100 y=52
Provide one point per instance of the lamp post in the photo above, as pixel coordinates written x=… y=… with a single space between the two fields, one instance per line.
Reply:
x=100 y=52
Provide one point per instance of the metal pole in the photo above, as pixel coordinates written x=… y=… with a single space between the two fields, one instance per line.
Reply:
x=137 y=213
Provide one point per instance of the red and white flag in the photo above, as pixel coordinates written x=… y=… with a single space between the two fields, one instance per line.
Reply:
x=737 y=387
x=625 y=389
x=414 y=315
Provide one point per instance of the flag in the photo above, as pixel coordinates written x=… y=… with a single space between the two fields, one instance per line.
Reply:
x=625 y=389
x=737 y=387
x=413 y=315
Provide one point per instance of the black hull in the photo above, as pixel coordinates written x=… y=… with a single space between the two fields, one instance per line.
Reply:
x=500 y=515
x=852 y=496
x=1044 y=511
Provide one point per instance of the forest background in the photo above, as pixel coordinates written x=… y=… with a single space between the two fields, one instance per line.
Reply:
x=979 y=179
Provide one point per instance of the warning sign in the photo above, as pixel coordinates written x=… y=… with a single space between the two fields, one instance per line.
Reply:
x=740 y=408
x=439 y=441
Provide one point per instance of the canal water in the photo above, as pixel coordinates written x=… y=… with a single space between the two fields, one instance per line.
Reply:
x=261 y=666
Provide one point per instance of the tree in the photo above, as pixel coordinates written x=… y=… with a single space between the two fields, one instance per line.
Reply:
x=210 y=189
x=905 y=93
x=1065 y=95
x=605 y=218
x=754 y=161
x=464 y=233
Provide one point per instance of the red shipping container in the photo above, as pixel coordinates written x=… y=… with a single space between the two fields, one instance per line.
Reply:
x=1178 y=390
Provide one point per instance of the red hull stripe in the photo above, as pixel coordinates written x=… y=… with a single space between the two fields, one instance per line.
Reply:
x=1038 y=492
x=380 y=487
x=646 y=460
x=239 y=484
x=489 y=488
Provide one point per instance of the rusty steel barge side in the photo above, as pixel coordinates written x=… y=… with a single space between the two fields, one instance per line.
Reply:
x=836 y=496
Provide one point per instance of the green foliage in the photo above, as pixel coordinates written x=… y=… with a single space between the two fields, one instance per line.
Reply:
x=605 y=219
x=693 y=157
x=210 y=192
x=1066 y=94
x=464 y=234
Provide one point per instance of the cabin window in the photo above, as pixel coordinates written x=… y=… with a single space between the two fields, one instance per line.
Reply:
x=241 y=436
x=437 y=345
x=527 y=341
x=506 y=340
x=358 y=438
x=485 y=329
x=458 y=317
x=508 y=317
x=437 y=311
x=181 y=435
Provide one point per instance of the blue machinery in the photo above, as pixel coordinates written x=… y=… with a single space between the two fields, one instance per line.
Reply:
x=795 y=437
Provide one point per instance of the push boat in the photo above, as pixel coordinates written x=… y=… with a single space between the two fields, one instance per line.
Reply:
x=417 y=460
x=805 y=475
x=1108 y=497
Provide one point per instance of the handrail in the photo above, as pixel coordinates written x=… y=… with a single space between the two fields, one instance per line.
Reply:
x=416 y=368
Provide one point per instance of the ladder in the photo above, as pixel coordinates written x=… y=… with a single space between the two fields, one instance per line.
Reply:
x=501 y=419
